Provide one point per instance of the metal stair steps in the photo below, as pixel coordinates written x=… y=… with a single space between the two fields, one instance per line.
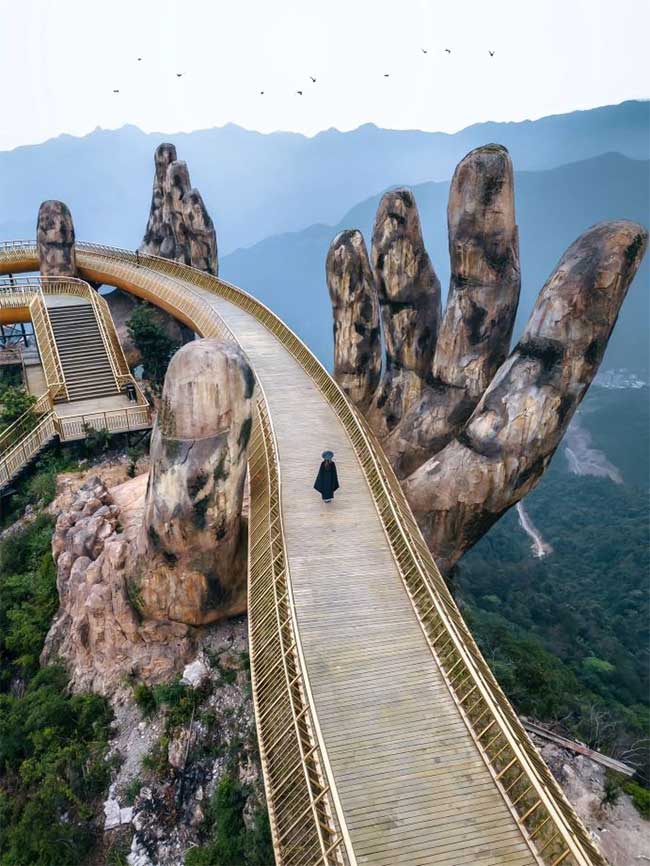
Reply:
x=86 y=366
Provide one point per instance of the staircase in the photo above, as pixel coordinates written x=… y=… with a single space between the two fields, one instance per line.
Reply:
x=86 y=366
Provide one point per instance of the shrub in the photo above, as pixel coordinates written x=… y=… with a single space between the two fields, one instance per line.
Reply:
x=640 y=797
x=14 y=402
x=132 y=790
x=144 y=698
x=155 y=346
x=157 y=758
x=52 y=744
x=611 y=793
x=96 y=441
x=230 y=842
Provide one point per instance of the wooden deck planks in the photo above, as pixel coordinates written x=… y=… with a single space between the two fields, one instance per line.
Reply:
x=406 y=770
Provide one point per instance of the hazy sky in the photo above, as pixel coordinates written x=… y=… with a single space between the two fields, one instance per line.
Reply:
x=61 y=59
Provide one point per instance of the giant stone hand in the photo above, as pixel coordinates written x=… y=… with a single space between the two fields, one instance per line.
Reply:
x=469 y=426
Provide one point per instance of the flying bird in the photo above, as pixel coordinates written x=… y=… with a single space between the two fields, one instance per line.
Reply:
x=491 y=53
x=424 y=50
x=313 y=79
x=299 y=92
x=179 y=74
x=448 y=50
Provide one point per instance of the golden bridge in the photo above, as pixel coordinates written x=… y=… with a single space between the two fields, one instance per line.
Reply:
x=384 y=737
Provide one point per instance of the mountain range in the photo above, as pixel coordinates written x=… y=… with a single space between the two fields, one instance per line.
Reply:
x=287 y=272
x=278 y=200
x=257 y=185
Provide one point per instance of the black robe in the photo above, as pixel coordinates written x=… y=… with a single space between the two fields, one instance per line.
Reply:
x=327 y=480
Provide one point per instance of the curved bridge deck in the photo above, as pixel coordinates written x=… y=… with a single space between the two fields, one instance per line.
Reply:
x=394 y=738
x=419 y=758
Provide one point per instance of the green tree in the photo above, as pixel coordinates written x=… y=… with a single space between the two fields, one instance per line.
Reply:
x=14 y=401
x=155 y=346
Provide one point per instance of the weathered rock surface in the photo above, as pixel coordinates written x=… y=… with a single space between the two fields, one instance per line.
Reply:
x=469 y=428
x=357 y=333
x=512 y=434
x=192 y=546
x=622 y=835
x=409 y=297
x=55 y=240
x=179 y=226
x=98 y=632
x=476 y=328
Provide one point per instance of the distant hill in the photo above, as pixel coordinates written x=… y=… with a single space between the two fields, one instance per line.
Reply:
x=259 y=185
x=553 y=207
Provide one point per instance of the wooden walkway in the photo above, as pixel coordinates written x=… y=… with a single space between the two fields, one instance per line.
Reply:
x=405 y=775
x=411 y=782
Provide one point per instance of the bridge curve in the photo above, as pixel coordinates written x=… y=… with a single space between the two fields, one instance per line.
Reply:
x=383 y=735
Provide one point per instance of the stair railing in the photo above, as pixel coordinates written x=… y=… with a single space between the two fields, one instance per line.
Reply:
x=25 y=423
x=52 y=367
x=20 y=453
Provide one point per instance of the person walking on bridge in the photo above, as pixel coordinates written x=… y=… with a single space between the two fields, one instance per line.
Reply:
x=327 y=480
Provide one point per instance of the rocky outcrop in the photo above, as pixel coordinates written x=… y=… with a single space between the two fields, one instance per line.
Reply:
x=468 y=427
x=620 y=832
x=357 y=334
x=409 y=296
x=179 y=226
x=55 y=240
x=192 y=545
x=99 y=632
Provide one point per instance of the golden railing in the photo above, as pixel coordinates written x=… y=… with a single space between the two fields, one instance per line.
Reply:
x=81 y=289
x=47 y=348
x=19 y=454
x=303 y=823
x=23 y=425
x=21 y=291
x=535 y=799
x=124 y=420
x=42 y=422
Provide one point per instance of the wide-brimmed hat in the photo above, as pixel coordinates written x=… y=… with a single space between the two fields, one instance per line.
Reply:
x=327 y=455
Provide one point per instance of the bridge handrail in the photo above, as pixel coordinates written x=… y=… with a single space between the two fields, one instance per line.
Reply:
x=287 y=717
x=70 y=427
x=535 y=799
x=527 y=785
